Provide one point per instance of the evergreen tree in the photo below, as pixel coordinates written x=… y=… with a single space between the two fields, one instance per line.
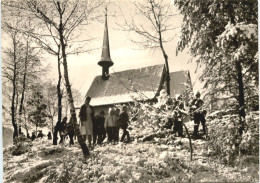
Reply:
x=37 y=109
x=222 y=35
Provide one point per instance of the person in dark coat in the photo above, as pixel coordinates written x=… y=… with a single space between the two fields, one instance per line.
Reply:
x=86 y=116
x=110 y=124
x=198 y=114
x=95 y=129
x=49 y=136
x=40 y=134
x=28 y=136
x=70 y=131
x=117 y=127
x=179 y=112
x=124 y=120
x=100 y=127
x=33 y=136
x=62 y=129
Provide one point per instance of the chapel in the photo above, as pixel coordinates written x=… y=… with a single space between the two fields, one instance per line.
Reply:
x=124 y=87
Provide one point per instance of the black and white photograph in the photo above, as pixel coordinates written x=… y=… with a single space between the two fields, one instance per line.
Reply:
x=129 y=91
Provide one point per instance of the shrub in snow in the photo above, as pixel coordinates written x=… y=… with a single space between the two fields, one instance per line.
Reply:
x=226 y=141
x=155 y=115
x=250 y=138
x=51 y=150
x=62 y=172
x=22 y=145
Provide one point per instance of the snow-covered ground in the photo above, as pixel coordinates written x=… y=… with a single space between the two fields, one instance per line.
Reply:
x=152 y=161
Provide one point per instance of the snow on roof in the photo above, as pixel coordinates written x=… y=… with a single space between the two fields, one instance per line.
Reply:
x=121 y=86
x=122 y=98
x=179 y=81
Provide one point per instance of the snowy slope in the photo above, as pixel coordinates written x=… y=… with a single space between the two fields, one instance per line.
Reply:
x=134 y=162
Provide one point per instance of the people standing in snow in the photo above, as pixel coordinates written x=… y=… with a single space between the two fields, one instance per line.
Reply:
x=33 y=136
x=100 y=127
x=117 y=127
x=198 y=114
x=49 y=136
x=28 y=135
x=110 y=124
x=70 y=131
x=86 y=115
x=124 y=120
x=62 y=129
x=40 y=134
x=179 y=113
x=95 y=129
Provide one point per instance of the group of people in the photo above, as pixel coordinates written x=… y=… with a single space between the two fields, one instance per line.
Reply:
x=100 y=126
x=64 y=129
x=180 y=112
x=95 y=128
x=33 y=137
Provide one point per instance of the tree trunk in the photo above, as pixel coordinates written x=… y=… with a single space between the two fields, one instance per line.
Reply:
x=24 y=85
x=167 y=75
x=73 y=118
x=58 y=89
x=166 y=65
x=14 y=93
x=26 y=127
x=52 y=126
x=55 y=134
x=158 y=24
x=241 y=96
x=27 y=132
x=19 y=130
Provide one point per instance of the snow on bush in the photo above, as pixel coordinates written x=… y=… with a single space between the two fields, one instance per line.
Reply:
x=245 y=34
x=226 y=141
x=154 y=116
x=135 y=162
x=21 y=146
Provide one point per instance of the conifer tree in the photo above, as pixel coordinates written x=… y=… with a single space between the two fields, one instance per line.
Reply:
x=222 y=36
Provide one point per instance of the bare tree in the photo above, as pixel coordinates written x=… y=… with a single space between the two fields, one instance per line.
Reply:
x=11 y=67
x=31 y=65
x=152 y=22
x=21 y=65
x=62 y=24
x=50 y=100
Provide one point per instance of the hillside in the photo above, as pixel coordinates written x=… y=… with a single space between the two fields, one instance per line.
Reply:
x=155 y=161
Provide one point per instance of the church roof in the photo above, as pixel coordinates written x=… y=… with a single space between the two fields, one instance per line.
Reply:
x=179 y=81
x=122 y=86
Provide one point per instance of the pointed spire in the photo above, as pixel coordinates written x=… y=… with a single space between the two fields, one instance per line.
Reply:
x=105 y=61
x=105 y=57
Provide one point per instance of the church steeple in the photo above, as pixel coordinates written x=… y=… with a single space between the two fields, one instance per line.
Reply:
x=105 y=61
